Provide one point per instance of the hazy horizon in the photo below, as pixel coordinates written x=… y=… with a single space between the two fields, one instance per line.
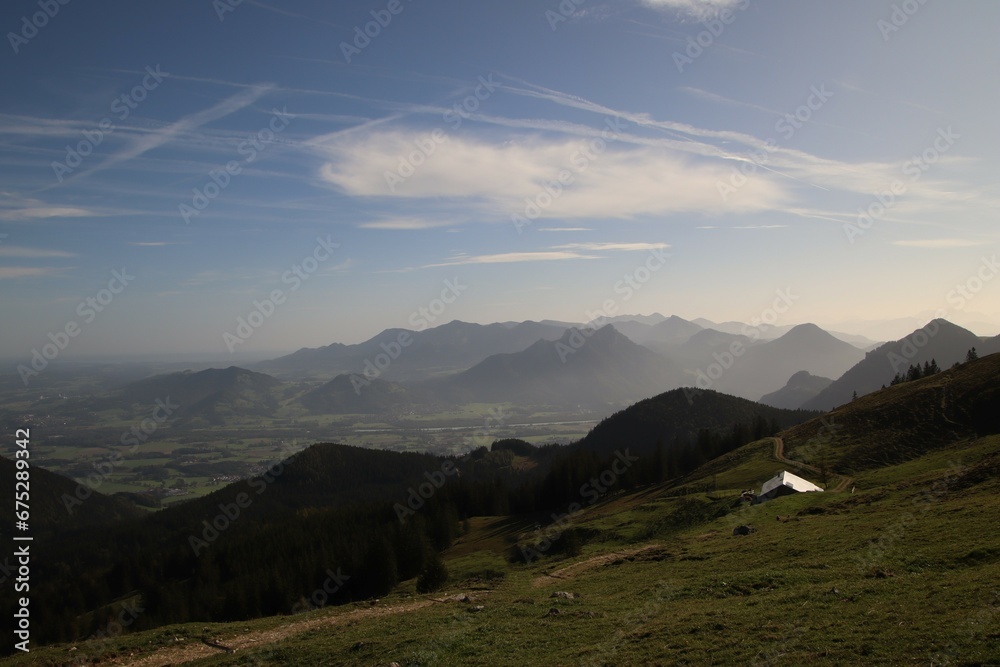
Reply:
x=250 y=356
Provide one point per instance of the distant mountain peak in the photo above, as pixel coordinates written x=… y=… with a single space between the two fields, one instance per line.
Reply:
x=807 y=329
x=944 y=324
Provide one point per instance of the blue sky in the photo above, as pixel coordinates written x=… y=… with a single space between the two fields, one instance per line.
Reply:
x=416 y=159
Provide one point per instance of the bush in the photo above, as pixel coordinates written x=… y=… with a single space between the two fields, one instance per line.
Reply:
x=434 y=576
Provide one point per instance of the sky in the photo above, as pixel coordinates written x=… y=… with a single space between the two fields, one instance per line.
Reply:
x=227 y=177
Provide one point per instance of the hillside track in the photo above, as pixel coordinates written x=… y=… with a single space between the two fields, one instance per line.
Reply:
x=193 y=649
x=779 y=454
x=570 y=571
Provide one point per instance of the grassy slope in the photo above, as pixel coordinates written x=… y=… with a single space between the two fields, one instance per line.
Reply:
x=902 y=572
x=904 y=421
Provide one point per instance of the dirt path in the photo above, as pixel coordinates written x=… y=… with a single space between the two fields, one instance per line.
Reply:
x=570 y=571
x=195 y=649
x=844 y=481
x=779 y=453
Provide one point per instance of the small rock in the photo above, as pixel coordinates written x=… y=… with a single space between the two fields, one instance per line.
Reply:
x=358 y=646
x=477 y=608
x=554 y=612
x=565 y=595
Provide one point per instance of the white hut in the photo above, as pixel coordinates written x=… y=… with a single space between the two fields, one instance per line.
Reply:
x=784 y=483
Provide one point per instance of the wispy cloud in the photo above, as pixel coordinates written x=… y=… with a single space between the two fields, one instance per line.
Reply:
x=405 y=224
x=285 y=12
x=153 y=244
x=42 y=211
x=494 y=177
x=31 y=253
x=565 y=229
x=939 y=243
x=627 y=247
x=698 y=10
x=722 y=99
x=10 y=272
x=185 y=125
x=512 y=258
x=340 y=267
x=741 y=226
x=715 y=97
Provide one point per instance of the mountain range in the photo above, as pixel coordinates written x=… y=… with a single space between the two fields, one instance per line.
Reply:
x=939 y=340
x=401 y=354
x=541 y=364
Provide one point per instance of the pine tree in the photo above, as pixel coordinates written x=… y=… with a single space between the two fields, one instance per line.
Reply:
x=971 y=355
